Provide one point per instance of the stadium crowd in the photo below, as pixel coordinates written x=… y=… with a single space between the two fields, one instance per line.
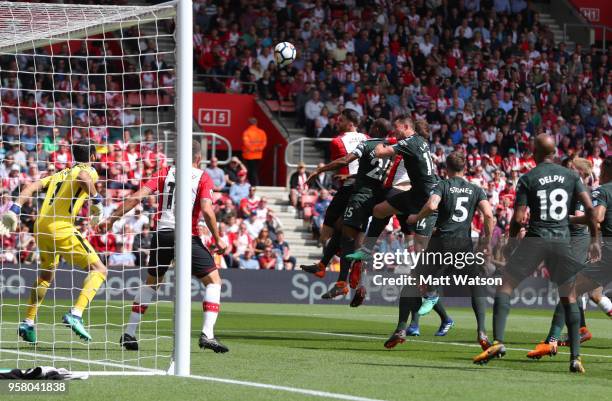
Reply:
x=486 y=75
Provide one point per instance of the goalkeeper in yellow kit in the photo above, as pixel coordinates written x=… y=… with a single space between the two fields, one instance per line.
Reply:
x=57 y=236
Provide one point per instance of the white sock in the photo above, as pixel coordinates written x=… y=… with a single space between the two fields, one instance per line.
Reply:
x=139 y=307
x=76 y=312
x=605 y=304
x=210 y=306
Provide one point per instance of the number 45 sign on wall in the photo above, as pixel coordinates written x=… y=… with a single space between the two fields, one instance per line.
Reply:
x=214 y=117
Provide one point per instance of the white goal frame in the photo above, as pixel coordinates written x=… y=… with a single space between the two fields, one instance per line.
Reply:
x=19 y=33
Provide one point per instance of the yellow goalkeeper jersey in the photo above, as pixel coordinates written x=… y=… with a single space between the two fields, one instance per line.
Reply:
x=65 y=197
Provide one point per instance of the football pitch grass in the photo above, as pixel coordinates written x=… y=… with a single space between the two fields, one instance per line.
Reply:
x=278 y=350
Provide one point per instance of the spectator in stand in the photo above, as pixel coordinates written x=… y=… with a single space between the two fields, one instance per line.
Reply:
x=248 y=261
x=312 y=111
x=262 y=241
x=253 y=225
x=254 y=141
x=250 y=203
x=297 y=184
x=281 y=247
x=121 y=258
x=232 y=170
x=240 y=190
x=62 y=157
x=268 y=259
x=216 y=174
x=142 y=246
x=320 y=207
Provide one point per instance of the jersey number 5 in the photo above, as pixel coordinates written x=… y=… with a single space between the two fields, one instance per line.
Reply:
x=463 y=212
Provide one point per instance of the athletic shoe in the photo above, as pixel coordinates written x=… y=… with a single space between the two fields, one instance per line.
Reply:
x=576 y=365
x=484 y=341
x=427 y=305
x=339 y=289
x=609 y=313
x=445 y=328
x=359 y=297
x=76 y=324
x=128 y=342
x=318 y=269
x=413 y=330
x=543 y=349
x=212 y=343
x=355 y=275
x=497 y=350
x=27 y=332
x=398 y=337
x=585 y=335
x=358 y=255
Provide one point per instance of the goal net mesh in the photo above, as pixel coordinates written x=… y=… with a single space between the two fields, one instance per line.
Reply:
x=103 y=74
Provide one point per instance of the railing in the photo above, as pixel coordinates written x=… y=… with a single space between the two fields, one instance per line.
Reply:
x=592 y=28
x=208 y=139
x=300 y=141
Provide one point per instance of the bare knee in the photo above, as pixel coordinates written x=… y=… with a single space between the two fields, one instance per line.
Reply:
x=212 y=278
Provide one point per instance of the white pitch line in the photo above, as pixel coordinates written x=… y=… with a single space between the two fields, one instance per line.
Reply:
x=326 y=333
x=296 y=390
x=148 y=372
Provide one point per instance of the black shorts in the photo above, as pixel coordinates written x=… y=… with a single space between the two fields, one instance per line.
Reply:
x=600 y=273
x=336 y=208
x=409 y=202
x=556 y=254
x=162 y=254
x=580 y=247
x=360 y=206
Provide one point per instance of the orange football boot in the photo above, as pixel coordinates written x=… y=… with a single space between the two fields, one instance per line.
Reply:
x=543 y=349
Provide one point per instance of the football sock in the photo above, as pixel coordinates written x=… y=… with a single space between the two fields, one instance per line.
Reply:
x=572 y=320
x=501 y=310
x=557 y=323
x=375 y=228
x=36 y=298
x=605 y=304
x=415 y=304
x=479 y=306
x=212 y=299
x=91 y=285
x=404 y=313
x=441 y=311
x=331 y=248
x=139 y=307
x=348 y=246
x=582 y=319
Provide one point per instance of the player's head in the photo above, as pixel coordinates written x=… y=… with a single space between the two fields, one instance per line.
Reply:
x=403 y=126
x=422 y=128
x=582 y=166
x=455 y=162
x=606 y=170
x=348 y=120
x=545 y=148
x=380 y=128
x=196 y=153
x=83 y=152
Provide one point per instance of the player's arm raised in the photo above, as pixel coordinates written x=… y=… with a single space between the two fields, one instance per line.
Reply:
x=384 y=151
x=333 y=166
x=130 y=203
x=11 y=216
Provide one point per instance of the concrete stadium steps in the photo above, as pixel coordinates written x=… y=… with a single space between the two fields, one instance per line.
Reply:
x=312 y=155
x=297 y=233
x=556 y=28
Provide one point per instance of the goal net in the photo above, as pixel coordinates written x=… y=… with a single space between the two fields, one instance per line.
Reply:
x=104 y=75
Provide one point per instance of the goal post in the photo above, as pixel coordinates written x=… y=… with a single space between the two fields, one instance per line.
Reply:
x=120 y=77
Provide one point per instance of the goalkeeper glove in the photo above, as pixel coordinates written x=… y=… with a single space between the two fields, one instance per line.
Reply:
x=10 y=218
x=96 y=210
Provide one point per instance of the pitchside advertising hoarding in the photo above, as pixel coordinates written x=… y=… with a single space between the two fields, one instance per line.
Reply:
x=260 y=286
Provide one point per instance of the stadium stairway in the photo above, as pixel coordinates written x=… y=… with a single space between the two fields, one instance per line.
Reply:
x=312 y=155
x=297 y=232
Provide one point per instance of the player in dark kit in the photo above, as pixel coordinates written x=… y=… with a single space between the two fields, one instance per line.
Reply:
x=367 y=191
x=549 y=191
x=418 y=163
x=331 y=230
x=456 y=200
